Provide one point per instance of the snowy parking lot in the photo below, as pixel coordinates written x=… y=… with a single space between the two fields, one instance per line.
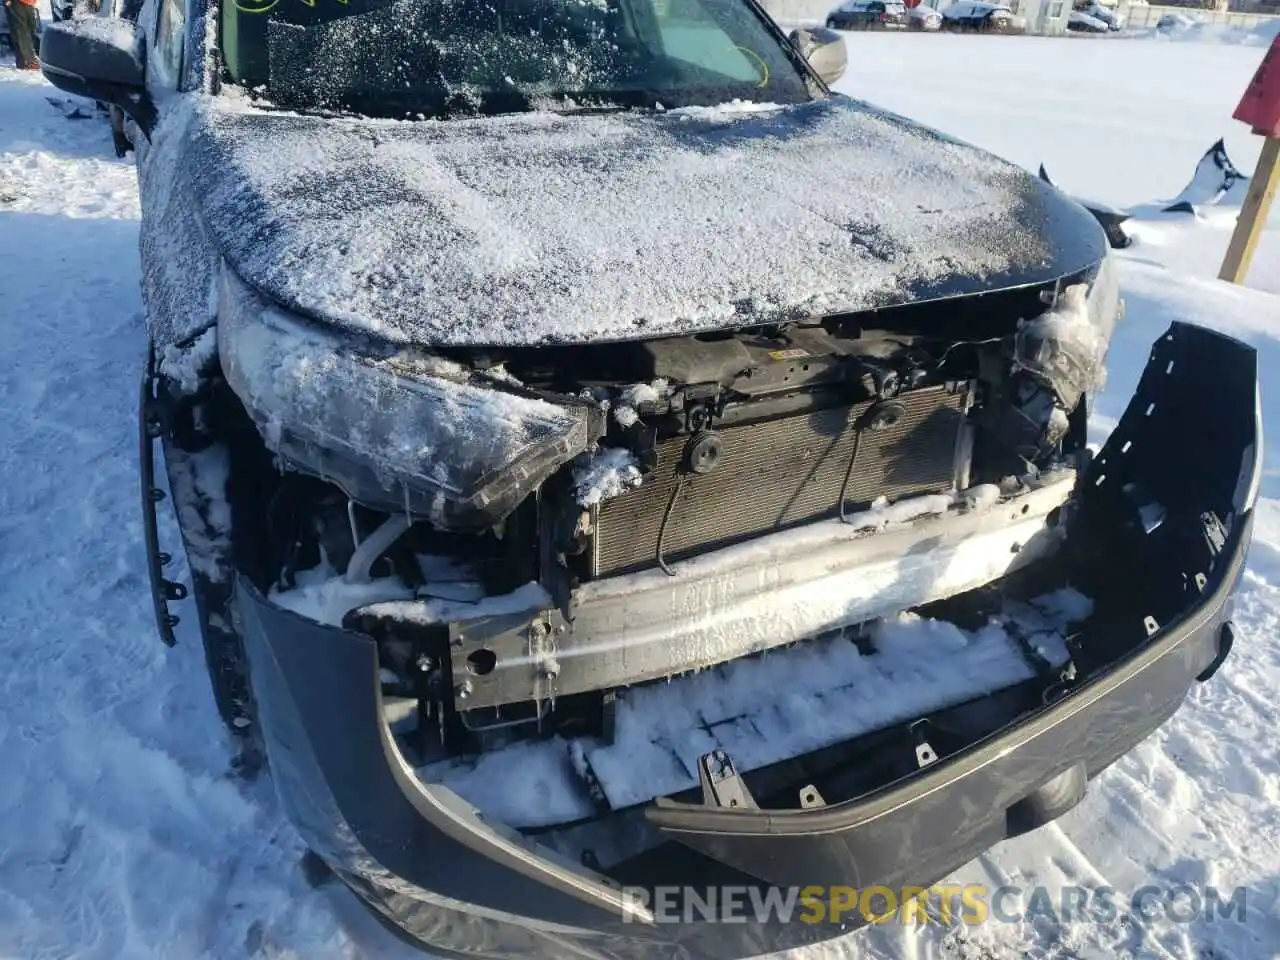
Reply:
x=126 y=832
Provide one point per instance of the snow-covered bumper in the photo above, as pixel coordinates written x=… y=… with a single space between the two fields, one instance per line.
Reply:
x=1168 y=502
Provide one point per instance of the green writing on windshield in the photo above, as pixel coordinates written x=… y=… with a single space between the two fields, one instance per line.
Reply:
x=266 y=6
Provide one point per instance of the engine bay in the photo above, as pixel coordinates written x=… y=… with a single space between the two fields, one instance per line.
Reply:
x=596 y=573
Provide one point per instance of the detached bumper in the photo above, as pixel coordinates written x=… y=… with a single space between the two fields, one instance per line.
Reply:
x=458 y=884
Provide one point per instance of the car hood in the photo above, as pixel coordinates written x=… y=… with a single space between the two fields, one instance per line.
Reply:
x=552 y=228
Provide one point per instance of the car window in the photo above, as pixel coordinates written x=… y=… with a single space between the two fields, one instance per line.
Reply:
x=164 y=59
x=443 y=58
x=689 y=34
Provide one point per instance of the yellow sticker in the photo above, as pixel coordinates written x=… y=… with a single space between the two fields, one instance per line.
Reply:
x=795 y=353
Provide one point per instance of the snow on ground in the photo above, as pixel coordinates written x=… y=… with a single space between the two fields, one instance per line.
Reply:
x=124 y=831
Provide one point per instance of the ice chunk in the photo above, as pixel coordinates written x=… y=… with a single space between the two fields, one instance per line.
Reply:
x=1064 y=348
x=324 y=595
x=609 y=474
x=188 y=362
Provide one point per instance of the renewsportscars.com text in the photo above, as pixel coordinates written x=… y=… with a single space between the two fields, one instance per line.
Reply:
x=971 y=904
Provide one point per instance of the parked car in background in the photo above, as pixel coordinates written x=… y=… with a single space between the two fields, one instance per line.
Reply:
x=868 y=15
x=1097 y=11
x=921 y=17
x=982 y=15
x=1176 y=22
x=1081 y=22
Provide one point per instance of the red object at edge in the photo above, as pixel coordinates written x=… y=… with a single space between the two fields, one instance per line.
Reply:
x=1260 y=105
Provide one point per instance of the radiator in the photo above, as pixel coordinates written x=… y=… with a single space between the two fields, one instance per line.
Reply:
x=778 y=474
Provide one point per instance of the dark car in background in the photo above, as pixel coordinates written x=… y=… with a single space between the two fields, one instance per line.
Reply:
x=559 y=435
x=868 y=15
x=921 y=17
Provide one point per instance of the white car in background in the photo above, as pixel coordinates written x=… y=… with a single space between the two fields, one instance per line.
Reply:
x=1101 y=12
x=1081 y=22
x=988 y=16
x=921 y=17
x=1177 y=22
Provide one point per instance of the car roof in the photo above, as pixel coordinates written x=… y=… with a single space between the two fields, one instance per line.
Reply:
x=980 y=5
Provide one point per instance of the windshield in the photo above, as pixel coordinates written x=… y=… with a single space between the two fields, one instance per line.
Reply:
x=441 y=58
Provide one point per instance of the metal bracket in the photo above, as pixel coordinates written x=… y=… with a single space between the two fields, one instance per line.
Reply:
x=1215 y=532
x=810 y=798
x=721 y=785
x=1151 y=625
x=151 y=427
x=925 y=754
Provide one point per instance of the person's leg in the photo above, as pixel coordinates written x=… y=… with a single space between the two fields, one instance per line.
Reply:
x=24 y=21
x=6 y=38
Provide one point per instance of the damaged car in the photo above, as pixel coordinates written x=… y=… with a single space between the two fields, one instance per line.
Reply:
x=589 y=488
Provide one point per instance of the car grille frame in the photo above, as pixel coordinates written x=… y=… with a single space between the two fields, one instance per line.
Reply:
x=777 y=474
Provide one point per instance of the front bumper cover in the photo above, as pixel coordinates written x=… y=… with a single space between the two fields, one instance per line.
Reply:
x=458 y=884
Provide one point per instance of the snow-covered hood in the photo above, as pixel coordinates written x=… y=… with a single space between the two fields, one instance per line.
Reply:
x=545 y=228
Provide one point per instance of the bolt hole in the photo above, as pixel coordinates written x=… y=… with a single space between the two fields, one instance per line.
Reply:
x=1026 y=508
x=481 y=662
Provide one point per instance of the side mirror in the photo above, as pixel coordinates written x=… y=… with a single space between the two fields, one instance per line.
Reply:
x=825 y=51
x=100 y=58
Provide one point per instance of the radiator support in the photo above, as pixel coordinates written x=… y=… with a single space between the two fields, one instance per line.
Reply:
x=777 y=474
